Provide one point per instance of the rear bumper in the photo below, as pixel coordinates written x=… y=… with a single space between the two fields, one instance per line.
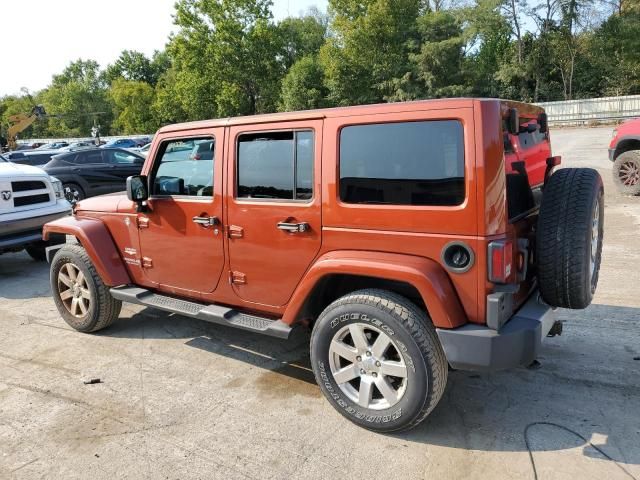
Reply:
x=477 y=347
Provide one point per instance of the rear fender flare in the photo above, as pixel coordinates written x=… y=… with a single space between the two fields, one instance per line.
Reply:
x=427 y=276
x=97 y=241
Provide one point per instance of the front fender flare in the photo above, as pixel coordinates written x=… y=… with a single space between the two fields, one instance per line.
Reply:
x=427 y=276
x=96 y=240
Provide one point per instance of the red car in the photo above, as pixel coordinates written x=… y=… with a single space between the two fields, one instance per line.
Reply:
x=624 y=152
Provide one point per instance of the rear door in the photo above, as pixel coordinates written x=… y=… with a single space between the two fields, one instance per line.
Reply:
x=273 y=209
x=93 y=169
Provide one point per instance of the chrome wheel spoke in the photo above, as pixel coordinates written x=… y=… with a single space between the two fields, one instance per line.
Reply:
x=80 y=279
x=365 y=394
x=387 y=391
x=342 y=349
x=65 y=279
x=380 y=346
x=74 y=306
x=346 y=374
x=395 y=369
x=83 y=307
x=357 y=335
x=85 y=293
x=71 y=271
x=66 y=294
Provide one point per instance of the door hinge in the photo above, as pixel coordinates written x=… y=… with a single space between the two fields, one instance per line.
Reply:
x=234 y=231
x=147 y=262
x=237 y=278
x=142 y=222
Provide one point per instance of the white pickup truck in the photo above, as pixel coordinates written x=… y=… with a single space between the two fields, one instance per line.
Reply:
x=29 y=198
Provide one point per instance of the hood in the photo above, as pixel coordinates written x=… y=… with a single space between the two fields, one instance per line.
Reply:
x=103 y=203
x=8 y=169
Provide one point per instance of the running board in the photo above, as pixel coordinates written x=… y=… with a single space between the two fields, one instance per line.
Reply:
x=208 y=313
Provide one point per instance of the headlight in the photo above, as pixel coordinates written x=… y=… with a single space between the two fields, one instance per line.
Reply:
x=57 y=187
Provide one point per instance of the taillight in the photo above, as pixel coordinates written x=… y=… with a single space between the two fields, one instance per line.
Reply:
x=500 y=261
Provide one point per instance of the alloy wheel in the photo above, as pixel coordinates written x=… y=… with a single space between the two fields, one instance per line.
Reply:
x=368 y=366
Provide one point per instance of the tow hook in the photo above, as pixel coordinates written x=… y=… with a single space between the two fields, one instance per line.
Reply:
x=556 y=329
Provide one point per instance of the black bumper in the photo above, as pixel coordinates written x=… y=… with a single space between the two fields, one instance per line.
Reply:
x=476 y=347
x=28 y=230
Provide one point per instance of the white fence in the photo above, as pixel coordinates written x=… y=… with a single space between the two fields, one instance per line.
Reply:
x=588 y=110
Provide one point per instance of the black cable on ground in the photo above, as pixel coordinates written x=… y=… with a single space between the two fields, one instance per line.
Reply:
x=566 y=429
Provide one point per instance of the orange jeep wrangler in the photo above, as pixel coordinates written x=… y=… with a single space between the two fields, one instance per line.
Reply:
x=409 y=237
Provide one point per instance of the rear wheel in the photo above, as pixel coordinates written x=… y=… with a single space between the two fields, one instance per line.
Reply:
x=80 y=295
x=569 y=237
x=626 y=172
x=378 y=360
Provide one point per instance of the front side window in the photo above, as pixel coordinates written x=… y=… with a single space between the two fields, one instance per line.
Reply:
x=180 y=172
x=124 y=158
x=408 y=163
x=275 y=165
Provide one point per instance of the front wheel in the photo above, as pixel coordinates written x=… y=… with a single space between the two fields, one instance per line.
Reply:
x=80 y=295
x=378 y=361
x=626 y=172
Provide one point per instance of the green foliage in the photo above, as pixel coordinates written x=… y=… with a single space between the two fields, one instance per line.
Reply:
x=229 y=57
x=131 y=101
x=303 y=86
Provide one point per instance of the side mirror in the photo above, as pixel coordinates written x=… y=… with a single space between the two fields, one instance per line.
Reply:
x=513 y=122
x=137 y=190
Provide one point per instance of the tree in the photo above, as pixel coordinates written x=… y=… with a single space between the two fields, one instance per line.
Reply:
x=303 y=87
x=368 y=49
x=226 y=57
x=132 y=65
x=74 y=96
x=131 y=106
x=302 y=36
x=438 y=65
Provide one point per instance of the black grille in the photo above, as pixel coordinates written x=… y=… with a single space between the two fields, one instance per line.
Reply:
x=30 y=200
x=27 y=185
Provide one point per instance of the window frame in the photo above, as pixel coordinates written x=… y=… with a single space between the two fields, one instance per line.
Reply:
x=465 y=166
x=295 y=131
x=158 y=160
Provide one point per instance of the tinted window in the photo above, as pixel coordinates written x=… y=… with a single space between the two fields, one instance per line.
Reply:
x=410 y=163
x=181 y=173
x=88 y=158
x=124 y=158
x=276 y=165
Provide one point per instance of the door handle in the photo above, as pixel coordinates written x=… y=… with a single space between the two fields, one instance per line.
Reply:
x=206 y=221
x=300 y=227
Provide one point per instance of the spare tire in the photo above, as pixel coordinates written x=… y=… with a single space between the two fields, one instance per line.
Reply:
x=569 y=237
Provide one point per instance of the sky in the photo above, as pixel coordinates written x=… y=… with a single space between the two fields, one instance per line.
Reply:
x=38 y=38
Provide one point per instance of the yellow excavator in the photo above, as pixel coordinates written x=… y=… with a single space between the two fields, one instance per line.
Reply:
x=22 y=121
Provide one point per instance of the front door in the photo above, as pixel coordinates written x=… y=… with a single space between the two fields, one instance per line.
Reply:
x=274 y=206
x=181 y=239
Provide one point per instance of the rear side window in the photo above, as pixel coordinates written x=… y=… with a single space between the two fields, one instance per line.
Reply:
x=276 y=165
x=88 y=158
x=409 y=163
x=180 y=172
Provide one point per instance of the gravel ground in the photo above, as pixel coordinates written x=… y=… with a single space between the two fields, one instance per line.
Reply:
x=184 y=399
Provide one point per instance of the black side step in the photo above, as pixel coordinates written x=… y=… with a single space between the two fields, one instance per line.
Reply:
x=208 y=313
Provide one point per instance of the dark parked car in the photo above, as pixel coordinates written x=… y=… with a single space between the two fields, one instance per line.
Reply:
x=95 y=171
x=31 y=157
